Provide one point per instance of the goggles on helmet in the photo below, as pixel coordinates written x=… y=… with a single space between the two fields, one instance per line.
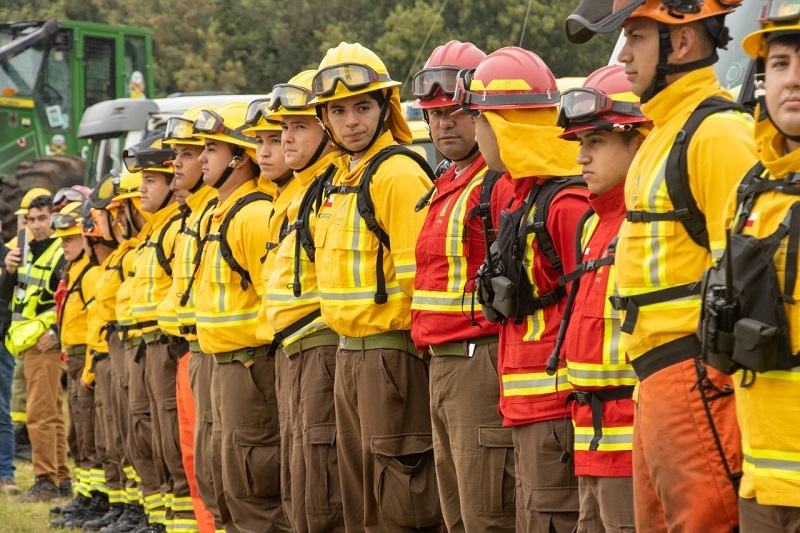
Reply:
x=291 y=97
x=465 y=97
x=582 y=104
x=354 y=76
x=780 y=11
x=212 y=123
x=66 y=196
x=258 y=108
x=179 y=129
x=427 y=80
x=103 y=192
x=136 y=161
x=63 y=221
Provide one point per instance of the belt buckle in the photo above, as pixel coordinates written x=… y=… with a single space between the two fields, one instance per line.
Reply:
x=471 y=349
x=342 y=342
x=431 y=351
x=582 y=397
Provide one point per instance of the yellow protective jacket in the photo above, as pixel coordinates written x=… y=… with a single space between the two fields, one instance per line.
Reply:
x=658 y=255
x=82 y=280
x=171 y=314
x=123 y=311
x=227 y=314
x=103 y=312
x=347 y=250
x=151 y=282
x=280 y=308
x=769 y=409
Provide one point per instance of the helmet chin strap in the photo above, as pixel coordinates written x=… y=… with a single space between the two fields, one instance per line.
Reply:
x=283 y=180
x=470 y=154
x=197 y=185
x=317 y=153
x=131 y=220
x=378 y=130
x=237 y=157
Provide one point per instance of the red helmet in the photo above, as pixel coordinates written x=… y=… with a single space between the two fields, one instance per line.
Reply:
x=510 y=78
x=605 y=102
x=435 y=84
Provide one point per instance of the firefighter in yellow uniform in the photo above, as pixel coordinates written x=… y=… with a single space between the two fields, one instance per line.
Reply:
x=176 y=317
x=158 y=354
x=245 y=432
x=365 y=272
x=290 y=311
x=80 y=280
x=136 y=227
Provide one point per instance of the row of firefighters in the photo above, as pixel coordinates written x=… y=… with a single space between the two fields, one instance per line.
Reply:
x=279 y=319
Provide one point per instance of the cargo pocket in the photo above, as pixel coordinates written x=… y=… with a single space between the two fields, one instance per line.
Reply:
x=173 y=433
x=405 y=480
x=322 y=482
x=258 y=465
x=497 y=471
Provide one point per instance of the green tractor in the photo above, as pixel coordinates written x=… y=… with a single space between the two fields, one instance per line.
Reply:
x=50 y=73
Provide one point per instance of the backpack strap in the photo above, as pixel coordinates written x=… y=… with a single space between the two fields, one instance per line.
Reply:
x=676 y=175
x=484 y=207
x=201 y=241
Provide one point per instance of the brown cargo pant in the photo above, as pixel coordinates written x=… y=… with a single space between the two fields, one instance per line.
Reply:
x=384 y=442
x=80 y=403
x=316 y=493
x=104 y=426
x=474 y=453
x=246 y=442
x=283 y=393
x=606 y=505
x=116 y=437
x=46 y=427
x=757 y=518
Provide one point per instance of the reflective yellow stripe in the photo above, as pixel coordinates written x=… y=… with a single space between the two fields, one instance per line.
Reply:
x=445 y=301
x=767 y=463
x=180 y=504
x=535 y=383
x=600 y=375
x=361 y=295
x=19 y=417
x=224 y=319
x=614 y=439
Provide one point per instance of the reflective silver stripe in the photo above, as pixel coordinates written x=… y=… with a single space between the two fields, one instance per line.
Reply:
x=602 y=374
x=535 y=383
x=358 y=294
x=777 y=464
x=581 y=438
x=291 y=298
x=230 y=318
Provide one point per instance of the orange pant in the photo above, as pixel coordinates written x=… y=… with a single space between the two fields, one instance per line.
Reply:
x=186 y=418
x=679 y=480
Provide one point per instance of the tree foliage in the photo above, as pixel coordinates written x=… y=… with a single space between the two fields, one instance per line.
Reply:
x=247 y=46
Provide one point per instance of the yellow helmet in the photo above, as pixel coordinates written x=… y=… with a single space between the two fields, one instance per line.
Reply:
x=66 y=222
x=180 y=130
x=777 y=16
x=226 y=123
x=347 y=70
x=36 y=192
x=293 y=98
x=159 y=164
x=128 y=185
x=259 y=117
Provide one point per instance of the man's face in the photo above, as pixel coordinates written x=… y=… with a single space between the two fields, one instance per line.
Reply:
x=188 y=168
x=354 y=121
x=39 y=223
x=605 y=157
x=214 y=159
x=640 y=53
x=301 y=137
x=454 y=136
x=270 y=155
x=72 y=246
x=154 y=189
x=487 y=143
x=782 y=83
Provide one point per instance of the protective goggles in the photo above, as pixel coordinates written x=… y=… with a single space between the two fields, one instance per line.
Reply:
x=258 y=108
x=291 y=97
x=584 y=104
x=179 y=129
x=212 y=123
x=465 y=97
x=66 y=196
x=136 y=161
x=354 y=76
x=103 y=192
x=780 y=11
x=63 y=221
x=426 y=81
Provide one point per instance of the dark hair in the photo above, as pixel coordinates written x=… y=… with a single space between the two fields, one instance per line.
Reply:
x=790 y=39
x=631 y=134
x=378 y=95
x=45 y=201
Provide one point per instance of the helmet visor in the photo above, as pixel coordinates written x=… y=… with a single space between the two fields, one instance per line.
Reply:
x=210 y=122
x=63 y=221
x=426 y=81
x=465 y=97
x=291 y=97
x=354 y=76
x=66 y=196
x=138 y=161
x=582 y=104
x=103 y=192
x=179 y=129
x=780 y=11
x=258 y=108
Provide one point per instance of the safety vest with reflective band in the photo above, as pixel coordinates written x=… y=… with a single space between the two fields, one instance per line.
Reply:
x=152 y=270
x=227 y=313
x=82 y=280
x=102 y=312
x=32 y=291
x=596 y=360
x=174 y=318
x=769 y=408
x=658 y=255
x=284 y=308
x=278 y=230
x=449 y=251
x=347 y=250
x=527 y=393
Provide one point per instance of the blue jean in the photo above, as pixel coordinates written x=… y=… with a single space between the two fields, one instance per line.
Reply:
x=7 y=363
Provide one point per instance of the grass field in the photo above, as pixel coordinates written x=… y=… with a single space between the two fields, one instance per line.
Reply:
x=25 y=517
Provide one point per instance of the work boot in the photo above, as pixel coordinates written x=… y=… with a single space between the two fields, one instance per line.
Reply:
x=132 y=518
x=65 y=488
x=9 y=487
x=114 y=513
x=78 y=502
x=152 y=528
x=41 y=491
x=97 y=507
